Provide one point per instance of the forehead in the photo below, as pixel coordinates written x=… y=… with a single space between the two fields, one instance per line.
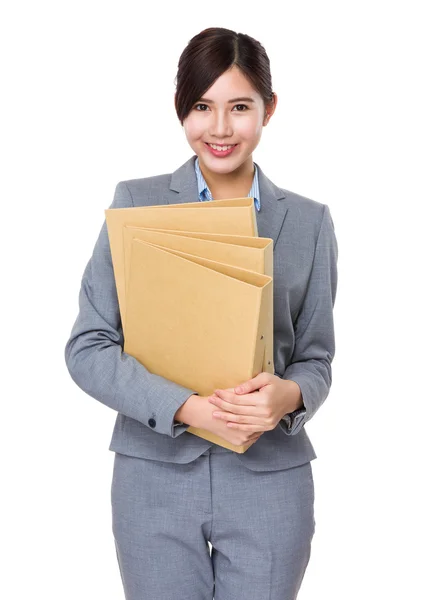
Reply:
x=232 y=83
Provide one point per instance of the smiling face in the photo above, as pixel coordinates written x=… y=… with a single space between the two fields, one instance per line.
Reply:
x=231 y=113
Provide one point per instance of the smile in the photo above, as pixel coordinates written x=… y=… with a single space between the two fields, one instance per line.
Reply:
x=221 y=151
x=221 y=148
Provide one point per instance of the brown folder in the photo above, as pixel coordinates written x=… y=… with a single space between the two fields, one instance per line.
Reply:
x=224 y=232
x=195 y=321
x=247 y=252
x=233 y=216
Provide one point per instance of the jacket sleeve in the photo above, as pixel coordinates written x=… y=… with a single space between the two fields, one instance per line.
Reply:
x=314 y=349
x=94 y=351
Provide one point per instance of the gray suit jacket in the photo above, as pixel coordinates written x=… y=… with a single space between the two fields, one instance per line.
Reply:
x=304 y=287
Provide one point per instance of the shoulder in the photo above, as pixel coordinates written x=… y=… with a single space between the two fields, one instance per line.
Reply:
x=137 y=187
x=307 y=214
x=302 y=204
x=299 y=207
x=310 y=217
x=134 y=190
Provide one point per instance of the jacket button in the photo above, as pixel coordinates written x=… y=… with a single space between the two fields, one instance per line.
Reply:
x=152 y=423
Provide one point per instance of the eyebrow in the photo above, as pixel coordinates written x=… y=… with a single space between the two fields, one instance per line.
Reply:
x=242 y=99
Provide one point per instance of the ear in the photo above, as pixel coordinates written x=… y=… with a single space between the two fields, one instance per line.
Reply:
x=269 y=109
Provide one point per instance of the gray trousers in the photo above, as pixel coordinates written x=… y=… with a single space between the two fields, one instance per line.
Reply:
x=260 y=526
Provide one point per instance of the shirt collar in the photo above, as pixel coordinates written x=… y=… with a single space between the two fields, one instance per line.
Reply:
x=205 y=194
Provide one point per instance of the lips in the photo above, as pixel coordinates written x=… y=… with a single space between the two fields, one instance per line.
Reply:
x=221 y=153
x=221 y=146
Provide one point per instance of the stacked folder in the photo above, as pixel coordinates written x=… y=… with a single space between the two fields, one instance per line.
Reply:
x=195 y=291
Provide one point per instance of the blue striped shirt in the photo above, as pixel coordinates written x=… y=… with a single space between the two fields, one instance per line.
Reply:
x=204 y=192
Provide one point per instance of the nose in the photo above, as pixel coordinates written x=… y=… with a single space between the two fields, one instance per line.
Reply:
x=220 y=126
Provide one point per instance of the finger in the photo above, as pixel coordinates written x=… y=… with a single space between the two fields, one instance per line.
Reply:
x=246 y=425
x=240 y=427
x=252 y=384
x=225 y=400
x=232 y=400
x=226 y=416
x=234 y=418
x=233 y=409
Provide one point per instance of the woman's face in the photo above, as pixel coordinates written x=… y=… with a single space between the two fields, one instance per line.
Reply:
x=231 y=112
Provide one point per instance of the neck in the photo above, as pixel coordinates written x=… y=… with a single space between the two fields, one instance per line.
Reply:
x=236 y=184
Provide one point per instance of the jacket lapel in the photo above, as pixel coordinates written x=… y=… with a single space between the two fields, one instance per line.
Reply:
x=183 y=188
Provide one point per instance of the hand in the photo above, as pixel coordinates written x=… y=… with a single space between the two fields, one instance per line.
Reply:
x=219 y=427
x=257 y=404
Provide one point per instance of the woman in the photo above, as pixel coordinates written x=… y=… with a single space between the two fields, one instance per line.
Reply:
x=172 y=492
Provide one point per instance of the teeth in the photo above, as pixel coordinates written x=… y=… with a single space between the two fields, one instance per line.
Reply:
x=221 y=148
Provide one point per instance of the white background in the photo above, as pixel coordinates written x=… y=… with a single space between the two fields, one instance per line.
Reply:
x=87 y=101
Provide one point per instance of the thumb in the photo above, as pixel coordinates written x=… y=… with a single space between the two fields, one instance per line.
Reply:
x=251 y=385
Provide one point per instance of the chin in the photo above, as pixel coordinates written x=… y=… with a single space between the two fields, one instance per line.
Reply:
x=222 y=169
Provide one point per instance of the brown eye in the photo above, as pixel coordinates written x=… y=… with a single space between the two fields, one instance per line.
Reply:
x=201 y=105
x=243 y=105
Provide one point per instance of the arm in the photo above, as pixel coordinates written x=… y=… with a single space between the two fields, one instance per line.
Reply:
x=190 y=412
x=314 y=347
x=94 y=351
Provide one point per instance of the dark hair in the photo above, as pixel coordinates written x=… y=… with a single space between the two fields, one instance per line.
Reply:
x=212 y=52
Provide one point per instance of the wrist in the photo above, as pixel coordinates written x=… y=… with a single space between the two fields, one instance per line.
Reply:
x=187 y=412
x=295 y=397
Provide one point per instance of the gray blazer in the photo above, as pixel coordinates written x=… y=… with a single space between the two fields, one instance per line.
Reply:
x=304 y=287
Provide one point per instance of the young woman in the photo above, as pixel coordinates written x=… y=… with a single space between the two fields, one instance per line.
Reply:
x=173 y=493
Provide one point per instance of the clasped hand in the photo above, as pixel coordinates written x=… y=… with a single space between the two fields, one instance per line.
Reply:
x=258 y=404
